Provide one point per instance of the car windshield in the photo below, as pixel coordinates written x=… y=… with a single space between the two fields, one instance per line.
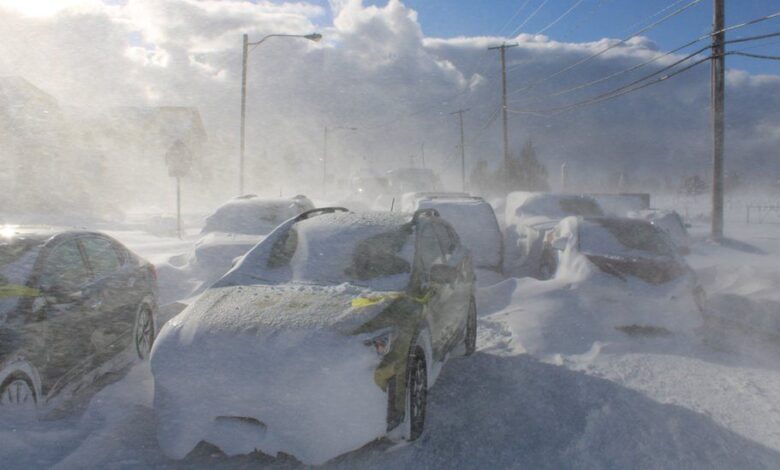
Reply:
x=580 y=206
x=379 y=257
x=250 y=217
x=624 y=237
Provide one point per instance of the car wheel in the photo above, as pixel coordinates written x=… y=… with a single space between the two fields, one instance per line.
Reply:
x=471 y=329
x=416 y=393
x=143 y=332
x=18 y=399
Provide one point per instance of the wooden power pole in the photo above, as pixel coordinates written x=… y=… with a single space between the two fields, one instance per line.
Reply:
x=502 y=48
x=462 y=151
x=718 y=115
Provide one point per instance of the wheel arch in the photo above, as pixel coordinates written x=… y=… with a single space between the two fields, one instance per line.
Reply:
x=20 y=367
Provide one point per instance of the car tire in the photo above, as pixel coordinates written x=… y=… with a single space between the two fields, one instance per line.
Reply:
x=18 y=398
x=143 y=331
x=416 y=393
x=470 y=340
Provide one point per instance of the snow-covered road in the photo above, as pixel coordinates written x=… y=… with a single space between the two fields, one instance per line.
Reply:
x=535 y=395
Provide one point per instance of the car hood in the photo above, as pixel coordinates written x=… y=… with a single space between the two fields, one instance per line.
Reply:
x=261 y=309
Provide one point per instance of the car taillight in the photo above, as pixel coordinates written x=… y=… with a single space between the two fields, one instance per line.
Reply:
x=152 y=271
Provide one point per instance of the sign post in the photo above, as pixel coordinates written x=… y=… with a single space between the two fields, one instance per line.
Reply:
x=179 y=161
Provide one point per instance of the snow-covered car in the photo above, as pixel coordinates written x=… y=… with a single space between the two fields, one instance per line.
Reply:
x=324 y=337
x=528 y=216
x=474 y=221
x=630 y=271
x=410 y=202
x=670 y=222
x=74 y=305
x=232 y=230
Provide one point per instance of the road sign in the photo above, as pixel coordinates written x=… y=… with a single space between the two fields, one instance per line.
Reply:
x=179 y=159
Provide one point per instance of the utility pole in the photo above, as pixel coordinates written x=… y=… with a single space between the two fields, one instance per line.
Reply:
x=718 y=69
x=503 y=48
x=422 y=153
x=243 y=116
x=462 y=151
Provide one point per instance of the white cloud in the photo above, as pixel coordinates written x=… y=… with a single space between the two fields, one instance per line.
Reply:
x=377 y=71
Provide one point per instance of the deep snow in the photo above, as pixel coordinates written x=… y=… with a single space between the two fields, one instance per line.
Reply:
x=537 y=394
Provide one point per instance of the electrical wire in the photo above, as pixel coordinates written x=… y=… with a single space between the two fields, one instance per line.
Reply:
x=658 y=57
x=608 y=96
x=606 y=49
x=754 y=56
x=530 y=17
x=564 y=15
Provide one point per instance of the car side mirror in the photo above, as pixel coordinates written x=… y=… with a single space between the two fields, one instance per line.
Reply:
x=558 y=244
x=443 y=274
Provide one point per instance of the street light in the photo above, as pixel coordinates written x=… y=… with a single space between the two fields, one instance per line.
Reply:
x=311 y=37
x=325 y=150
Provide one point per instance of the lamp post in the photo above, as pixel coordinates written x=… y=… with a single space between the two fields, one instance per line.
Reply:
x=311 y=37
x=325 y=150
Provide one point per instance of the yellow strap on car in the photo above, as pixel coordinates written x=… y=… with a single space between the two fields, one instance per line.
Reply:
x=15 y=290
x=360 y=302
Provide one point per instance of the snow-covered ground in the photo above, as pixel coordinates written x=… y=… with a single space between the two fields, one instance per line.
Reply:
x=537 y=394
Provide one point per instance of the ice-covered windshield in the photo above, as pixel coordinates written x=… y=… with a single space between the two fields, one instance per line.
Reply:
x=378 y=256
x=623 y=237
x=557 y=206
x=251 y=216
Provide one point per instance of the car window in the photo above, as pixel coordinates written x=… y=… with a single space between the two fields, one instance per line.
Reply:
x=447 y=242
x=64 y=268
x=379 y=256
x=429 y=247
x=580 y=206
x=102 y=256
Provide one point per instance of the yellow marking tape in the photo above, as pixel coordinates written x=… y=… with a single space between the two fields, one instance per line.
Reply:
x=360 y=302
x=15 y=290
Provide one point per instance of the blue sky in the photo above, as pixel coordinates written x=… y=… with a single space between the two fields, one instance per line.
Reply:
x=595 y=19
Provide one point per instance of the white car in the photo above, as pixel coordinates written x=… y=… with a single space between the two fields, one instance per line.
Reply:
x=474 y=221
x=629 y=274
x=528 y=216
x=232 y=230
x=323 y=338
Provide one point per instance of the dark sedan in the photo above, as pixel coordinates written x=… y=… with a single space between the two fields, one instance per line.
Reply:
x=73 y=305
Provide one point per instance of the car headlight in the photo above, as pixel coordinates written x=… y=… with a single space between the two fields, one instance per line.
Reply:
x=381 y=342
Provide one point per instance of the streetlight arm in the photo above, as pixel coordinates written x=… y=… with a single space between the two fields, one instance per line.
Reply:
x=311 y=37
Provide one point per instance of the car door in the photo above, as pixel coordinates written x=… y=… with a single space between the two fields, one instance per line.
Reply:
x=115 y=296
x=67 y=312
x=436 y=295
x=458 y=291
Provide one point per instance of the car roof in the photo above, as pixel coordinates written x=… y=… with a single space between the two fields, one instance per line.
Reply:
x=348 y=218
x=41 y=233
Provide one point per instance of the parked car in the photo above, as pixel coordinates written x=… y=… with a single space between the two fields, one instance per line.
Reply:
x=670 y=222
x=324 y=337
x=232 y=230
x=630 y=271
x=73 y=304
x=528 y=217
x=473 y=220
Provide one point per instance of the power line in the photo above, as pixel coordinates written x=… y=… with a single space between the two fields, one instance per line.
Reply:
x=564 y=15
x=610 y=95
x=659 y=12
x=608 y=48
x=632 y=87
x=658 y=57
x=517 y=30
x=754 y=56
